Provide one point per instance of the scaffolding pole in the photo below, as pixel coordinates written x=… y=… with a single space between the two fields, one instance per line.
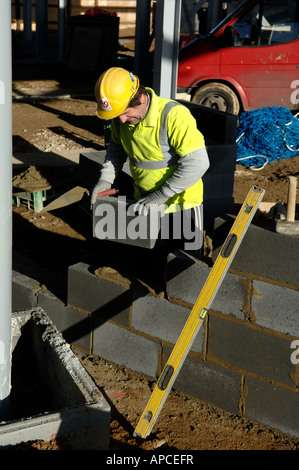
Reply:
x=5 y=206
x=168 y=18
x=62 y=4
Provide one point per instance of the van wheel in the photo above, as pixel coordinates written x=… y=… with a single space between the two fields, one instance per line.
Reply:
x=217 y=96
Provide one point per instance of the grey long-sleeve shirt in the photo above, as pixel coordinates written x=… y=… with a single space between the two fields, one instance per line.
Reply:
x=190 y=168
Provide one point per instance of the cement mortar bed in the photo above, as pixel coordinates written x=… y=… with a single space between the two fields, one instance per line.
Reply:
x=65 y=403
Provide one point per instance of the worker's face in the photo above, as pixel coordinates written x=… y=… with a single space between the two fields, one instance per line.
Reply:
x=136 y=114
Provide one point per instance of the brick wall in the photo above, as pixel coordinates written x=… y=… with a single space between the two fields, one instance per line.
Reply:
x=241 y=358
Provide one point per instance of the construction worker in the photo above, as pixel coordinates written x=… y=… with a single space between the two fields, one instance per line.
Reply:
x=166 y=151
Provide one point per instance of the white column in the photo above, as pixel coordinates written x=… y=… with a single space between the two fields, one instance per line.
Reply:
x=5 y=206
x=168 y=18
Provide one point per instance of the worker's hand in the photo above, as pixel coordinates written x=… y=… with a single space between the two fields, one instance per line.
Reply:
x=98 y=188
x=143 y=204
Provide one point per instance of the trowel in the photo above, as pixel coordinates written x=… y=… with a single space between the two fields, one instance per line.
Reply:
x=72 y=196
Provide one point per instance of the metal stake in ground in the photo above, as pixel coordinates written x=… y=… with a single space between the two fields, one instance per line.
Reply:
x=290 y=226
x=198 y=312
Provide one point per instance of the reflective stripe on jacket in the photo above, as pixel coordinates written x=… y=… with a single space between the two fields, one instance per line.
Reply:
x=155 y=146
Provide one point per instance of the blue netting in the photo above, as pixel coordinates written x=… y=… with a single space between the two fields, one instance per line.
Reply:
x=265 y=135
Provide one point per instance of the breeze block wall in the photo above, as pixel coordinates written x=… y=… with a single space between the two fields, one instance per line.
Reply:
x=244 y=357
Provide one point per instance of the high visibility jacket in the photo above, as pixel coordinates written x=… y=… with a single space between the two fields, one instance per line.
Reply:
x=154 y=146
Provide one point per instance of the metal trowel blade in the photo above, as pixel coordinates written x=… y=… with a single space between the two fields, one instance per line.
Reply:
x=70 y=197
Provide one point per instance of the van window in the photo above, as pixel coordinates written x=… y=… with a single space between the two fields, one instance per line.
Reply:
x=267 y=23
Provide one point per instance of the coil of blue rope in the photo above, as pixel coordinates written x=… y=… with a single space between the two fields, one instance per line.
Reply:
x=265 y=135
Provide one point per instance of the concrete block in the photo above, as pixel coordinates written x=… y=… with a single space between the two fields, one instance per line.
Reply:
x=250 y=349
x=231 y=296
x=276 y=307
x=124 y=347
x=262 y=253
x=204 y=380
x=162 y=319
x=90 y=165
x=74 y=325
x=77 y=411
x=60 y=425
x=213 y=208
x=222 y=161
x=218 y=181
x=209 y=119
x=24 y=292
x=186 y=278
x=115 y=220
x=273 y=406
x=94 y=295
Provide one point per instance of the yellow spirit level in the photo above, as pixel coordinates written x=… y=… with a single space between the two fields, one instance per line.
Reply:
x=198 y=312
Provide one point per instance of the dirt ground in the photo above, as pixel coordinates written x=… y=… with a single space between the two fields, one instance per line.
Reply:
x=44 y=245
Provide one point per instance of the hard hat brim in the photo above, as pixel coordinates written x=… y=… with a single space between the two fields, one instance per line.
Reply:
x=106 y=115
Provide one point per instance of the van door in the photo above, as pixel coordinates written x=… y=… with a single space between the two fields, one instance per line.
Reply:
x=264 y=58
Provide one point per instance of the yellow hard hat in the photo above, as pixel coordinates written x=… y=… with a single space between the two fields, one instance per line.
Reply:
x=114 y=90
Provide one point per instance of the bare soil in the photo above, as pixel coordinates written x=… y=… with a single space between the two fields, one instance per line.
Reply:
x=44 y=245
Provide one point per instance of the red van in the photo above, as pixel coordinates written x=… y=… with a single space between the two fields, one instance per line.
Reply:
x=250 y=60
